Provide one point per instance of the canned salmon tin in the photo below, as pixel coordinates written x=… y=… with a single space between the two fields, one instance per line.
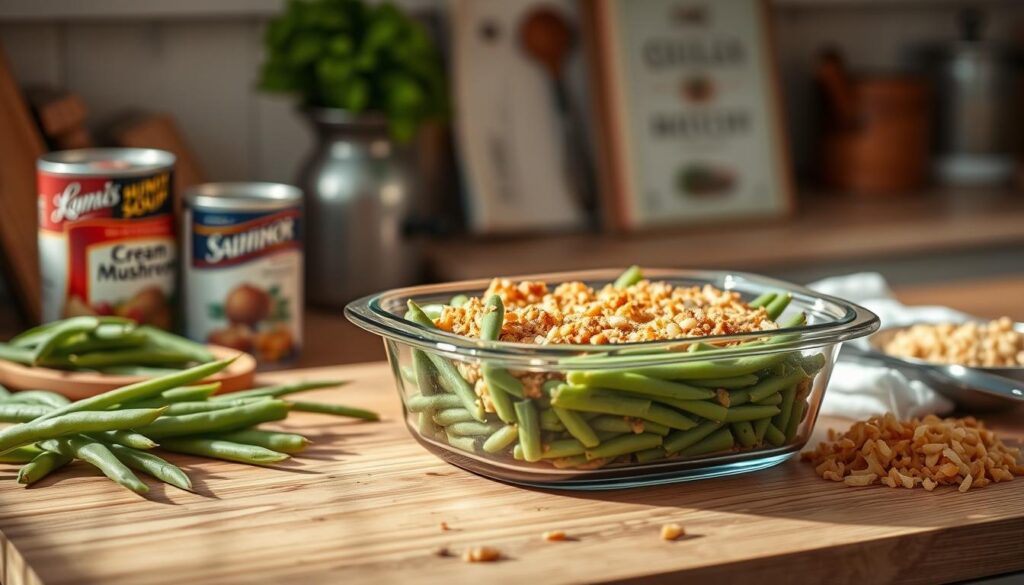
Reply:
x=107 y=240
x=243 y=268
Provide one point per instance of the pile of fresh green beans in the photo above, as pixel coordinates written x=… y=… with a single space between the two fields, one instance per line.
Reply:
x=113 y=345
x=116 y=431
x=590 y=418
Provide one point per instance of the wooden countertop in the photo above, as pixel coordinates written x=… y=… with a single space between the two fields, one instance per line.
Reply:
x=827 y=228
x=365 y=504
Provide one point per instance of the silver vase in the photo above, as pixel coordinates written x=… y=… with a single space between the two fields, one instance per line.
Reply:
x=358 y=186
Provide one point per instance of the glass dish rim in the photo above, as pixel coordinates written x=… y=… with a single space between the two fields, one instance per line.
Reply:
x=368 y=314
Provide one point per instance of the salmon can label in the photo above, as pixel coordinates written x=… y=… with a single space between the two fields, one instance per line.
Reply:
x=243 y=269
x=107 y=238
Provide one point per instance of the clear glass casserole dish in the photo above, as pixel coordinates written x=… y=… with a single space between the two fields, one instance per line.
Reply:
x=615 y=415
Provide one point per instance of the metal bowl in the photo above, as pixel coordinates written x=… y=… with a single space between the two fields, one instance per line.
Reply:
x=938 y=375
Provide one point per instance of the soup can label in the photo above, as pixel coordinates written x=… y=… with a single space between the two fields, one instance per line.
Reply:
x=107 y=239
x=244 y=274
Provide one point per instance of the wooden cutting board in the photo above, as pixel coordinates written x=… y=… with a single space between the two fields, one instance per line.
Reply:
x=366 y=503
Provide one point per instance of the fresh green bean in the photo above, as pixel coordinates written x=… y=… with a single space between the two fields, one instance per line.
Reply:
x=648 y=455
x=501 y=439
x=36 y=335
x=529 y=430
x=180 y=408
x=74 y=422
x=588 y=400
x=448 y=374
x=89 y=343
x=733 y=383
x=577 y=426
x=142 y=390
x=670 y=418
x=44 y=464
x=18 y=355
x=20 y=455
x=629 y=277
x=100 y=456
x=473 y=428
x=226 y=450
x=458 y=301
x=778 y=305
x=334 y=409
x=280 y=389
x=679 y=440
x=623 y=445
x=197 y=352
x=468 y=444
x=549 y=421
x=775 y=436
x=273 y=440
x=14 y=412
x=214 y=421
x=420 y=403
x=762 y=300
x=141 y=356
x=195 y=393
x=701 y=408
x=637 y=384
x=125 y=438
x=134 y=370
x=720 y=440
x=561 y=448
x=450 y=416
x=51 y=399
x=152 y=465
x=744 y=433
x=55 y=336
x=749 y=413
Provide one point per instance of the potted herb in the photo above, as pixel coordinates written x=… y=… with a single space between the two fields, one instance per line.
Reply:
x=367 y=77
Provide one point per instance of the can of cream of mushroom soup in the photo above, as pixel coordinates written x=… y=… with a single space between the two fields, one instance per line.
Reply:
x=107 y=240
x=243 y=268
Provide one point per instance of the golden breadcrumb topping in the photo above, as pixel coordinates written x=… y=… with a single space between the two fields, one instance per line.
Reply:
x=576 y=313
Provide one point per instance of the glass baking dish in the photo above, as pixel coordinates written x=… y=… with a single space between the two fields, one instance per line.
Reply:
x=769 y=382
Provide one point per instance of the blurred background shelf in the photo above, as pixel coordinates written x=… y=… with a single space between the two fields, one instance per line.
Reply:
x=829 y=234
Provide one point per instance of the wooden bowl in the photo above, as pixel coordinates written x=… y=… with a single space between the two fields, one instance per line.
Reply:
x=78 y=385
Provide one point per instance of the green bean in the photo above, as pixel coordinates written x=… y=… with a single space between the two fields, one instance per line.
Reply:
x=773 y=400
x=567 y=462
x=20 y=455
x=74 y=422
x=226 y=450
x=501 y=439
x=44 y=397
x=334 y=409
x=778 y=305
x=55 y=336
x=473 y=428
x=699 y=346
x=749 y=413
x=606 y=435
x=192 y=407
x=13 y=412
x=448 y=374
x=679 y=440
x=100 y=456
x=623 y=445
x=670 y=418
x=588 y=400
x=195 y=393
x=4 y=392
x=744 y=433
x=762 y=300
x=273 y=440
x=529 y=430
x=799 y=408
x=501 y=401
x=708 y=410
x=720 y=440
x=811 y=364
x=637 y=384
x=450 y=416
x=142 y=390
x=501 y=378
x=615 y=424
x=648 y=455
x=769 y=386
x=44 y=464
x=775 y=436
x=133 y=370
x=424 y=374
x=280 y=389
x=469 y=444
x=577 y=426
x=761 y=427
x=215 y=421
x=39 y=333
x=152 y=465
x=90 y=343
x=125 y=438
x=549 y=421
x=426 y=426
x=712 y=369
x=785 y=408
x=141 y=356
x=561 y=448
x=733 y=383
x=629 y=277
x=18 y=355
x=196 y=351
x=458 y=301
x=420 y=403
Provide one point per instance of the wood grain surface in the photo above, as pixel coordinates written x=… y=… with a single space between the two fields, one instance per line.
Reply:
x=365 y=504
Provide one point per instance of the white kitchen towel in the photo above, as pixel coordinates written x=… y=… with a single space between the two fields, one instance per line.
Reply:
x=858 y=390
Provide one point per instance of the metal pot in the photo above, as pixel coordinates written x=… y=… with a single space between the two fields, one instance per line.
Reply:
x=358 y=186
